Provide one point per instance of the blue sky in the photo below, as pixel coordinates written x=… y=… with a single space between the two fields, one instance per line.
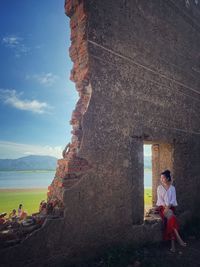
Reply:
x=36 y=95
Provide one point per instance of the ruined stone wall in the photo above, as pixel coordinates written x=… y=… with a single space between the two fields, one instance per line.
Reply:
x=144 y=61
x=137 y=73
x=136 y=67
x=142 y=72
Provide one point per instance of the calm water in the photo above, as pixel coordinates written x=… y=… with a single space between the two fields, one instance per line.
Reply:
x=147 y=178
x=41 y=179
x=19 y=179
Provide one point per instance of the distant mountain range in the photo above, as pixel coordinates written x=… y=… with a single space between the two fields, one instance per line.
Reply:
x=28 y=163
x=41 y=163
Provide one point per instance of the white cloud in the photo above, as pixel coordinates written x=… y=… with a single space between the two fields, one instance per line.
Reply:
x=13 y=150
x=12 y=40
x=15 y=43
x=47 y=79
x=13 y=99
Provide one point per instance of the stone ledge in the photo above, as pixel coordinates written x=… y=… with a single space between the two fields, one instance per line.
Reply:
x=152 y=218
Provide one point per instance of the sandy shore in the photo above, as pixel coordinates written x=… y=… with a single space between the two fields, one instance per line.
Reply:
x=18 y=190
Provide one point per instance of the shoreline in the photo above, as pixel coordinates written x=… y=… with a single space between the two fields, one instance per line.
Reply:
x=19 y=190
x=28 y=171
x=40 y=189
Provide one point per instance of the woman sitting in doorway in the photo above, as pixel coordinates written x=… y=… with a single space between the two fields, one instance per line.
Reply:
x=166 y=202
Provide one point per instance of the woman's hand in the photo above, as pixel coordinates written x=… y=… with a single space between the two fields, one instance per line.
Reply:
x=167 y=207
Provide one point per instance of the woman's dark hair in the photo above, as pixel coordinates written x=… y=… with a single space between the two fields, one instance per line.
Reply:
x=167 y=175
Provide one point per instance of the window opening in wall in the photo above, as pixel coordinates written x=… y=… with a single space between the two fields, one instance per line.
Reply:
x=147 y=177
x=158 y=156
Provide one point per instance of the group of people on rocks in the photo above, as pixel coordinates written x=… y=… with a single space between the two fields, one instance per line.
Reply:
x=13 y=217
x=20 y=217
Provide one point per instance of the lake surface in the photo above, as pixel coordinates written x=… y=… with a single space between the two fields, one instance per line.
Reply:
x=147 y=178
x=41 y=179
x=26 y=179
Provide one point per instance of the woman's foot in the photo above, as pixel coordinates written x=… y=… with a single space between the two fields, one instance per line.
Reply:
x=179 y=239
x=182 y=243
x=173 y=250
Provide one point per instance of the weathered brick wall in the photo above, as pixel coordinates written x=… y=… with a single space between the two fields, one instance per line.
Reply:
x=136 y=68
x=71 y=168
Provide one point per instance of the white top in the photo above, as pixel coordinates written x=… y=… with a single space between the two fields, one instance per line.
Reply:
x=166 y=197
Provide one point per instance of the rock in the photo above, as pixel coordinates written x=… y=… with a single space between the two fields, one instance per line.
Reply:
x=136 y=264
x=192 y=237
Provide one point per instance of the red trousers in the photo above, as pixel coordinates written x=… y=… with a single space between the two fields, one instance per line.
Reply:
x=169 y=224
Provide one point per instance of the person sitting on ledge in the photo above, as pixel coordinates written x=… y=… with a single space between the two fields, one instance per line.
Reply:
x=13 y=215
x=166 y=202
x=43 y=210
x=20 y=210
x=21 y=213
x=2 y=218
x=3 y=223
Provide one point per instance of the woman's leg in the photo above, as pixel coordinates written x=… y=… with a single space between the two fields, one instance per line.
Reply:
x=172 y=249
x=171 y=224
x=179 y=239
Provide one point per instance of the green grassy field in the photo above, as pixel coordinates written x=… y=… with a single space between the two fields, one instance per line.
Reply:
x=30 y=200
x=148 y=196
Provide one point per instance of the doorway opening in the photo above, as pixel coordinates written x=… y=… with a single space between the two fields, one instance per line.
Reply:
x=147 y=177
x=158 y=156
